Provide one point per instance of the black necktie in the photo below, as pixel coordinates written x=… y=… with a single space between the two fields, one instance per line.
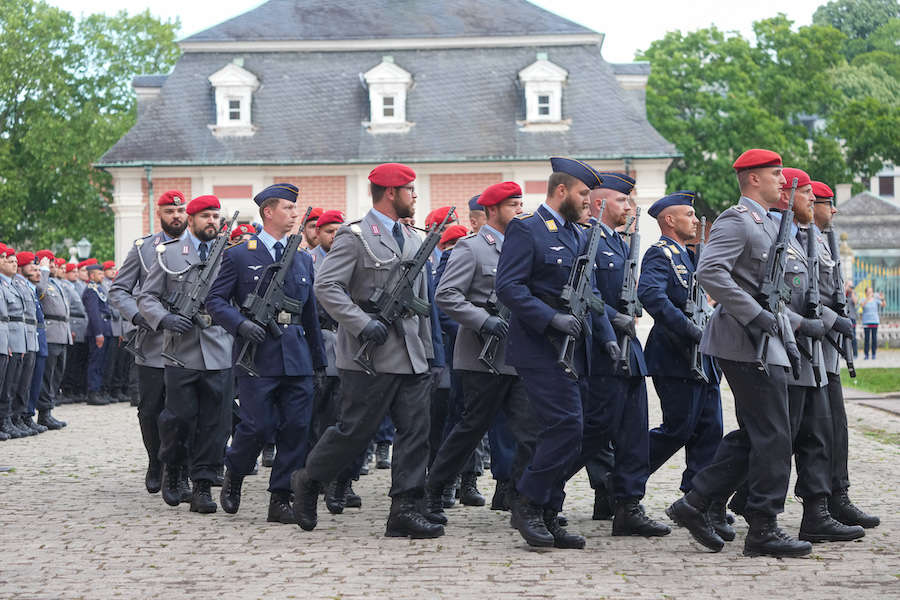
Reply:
x=398 y=236
x=279 y=250
x=204 y=251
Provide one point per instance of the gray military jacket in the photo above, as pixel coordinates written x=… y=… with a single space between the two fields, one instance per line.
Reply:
x=77 y=316
x=207 y=349
x=124 y=291
x=15 y=311
x=115 y=321
x=463 y=292
x=329 y=337
x=26 y=293
x=362 y=260
x=56 y=313
x=827 y=266
x=4 y=320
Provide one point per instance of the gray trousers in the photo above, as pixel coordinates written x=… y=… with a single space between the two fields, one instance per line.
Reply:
x=54 y=369
x=365 y=400
x=23 y=385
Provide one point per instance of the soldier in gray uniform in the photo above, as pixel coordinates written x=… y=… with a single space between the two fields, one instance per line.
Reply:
x=361 y=261
x=15 y=312
x=77 y=325
x=55 y=304
x=197 y=362
x=732 y=270
x=4 y=342
x=25 y=262
x=466 y=294
x=148 y=354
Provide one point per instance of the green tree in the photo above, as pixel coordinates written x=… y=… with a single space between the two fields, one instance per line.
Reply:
x=65 y=98
x=858 y=20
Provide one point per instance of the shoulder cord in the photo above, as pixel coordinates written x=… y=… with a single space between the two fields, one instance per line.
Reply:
x=167 y=269
x=358 y=232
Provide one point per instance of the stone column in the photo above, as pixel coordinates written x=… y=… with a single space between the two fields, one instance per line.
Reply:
x=128 y=206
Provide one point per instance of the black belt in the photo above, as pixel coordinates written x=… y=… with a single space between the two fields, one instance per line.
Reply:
x=15 y=319
x=288 y=318
x=4 y=319
x=55 y=318
x=30 y=321
x=77 y=316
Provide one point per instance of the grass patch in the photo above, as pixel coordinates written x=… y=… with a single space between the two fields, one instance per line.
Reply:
x=878 y=381
x=882 y=436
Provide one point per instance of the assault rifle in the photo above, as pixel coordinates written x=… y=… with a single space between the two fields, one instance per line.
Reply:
x=845 y=346
x=266 y=307
x=389 y=306
x=488 y=353
x=577 y=298
x=187 y=300
x=628 y=297
x=696 y=308
x=775 y=293
x=813 y=308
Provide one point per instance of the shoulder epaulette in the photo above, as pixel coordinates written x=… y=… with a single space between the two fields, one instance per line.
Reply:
x=230 y=246
x=660 y=244
x=524 y=215
x=740 y=208
x=140 y=241
x=471 y=235
x=173 y=240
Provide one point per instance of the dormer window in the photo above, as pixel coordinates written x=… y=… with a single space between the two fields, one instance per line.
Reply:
x=234 y=87
x=542 y=82
x=387 y=84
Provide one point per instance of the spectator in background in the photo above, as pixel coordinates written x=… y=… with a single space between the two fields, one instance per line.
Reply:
x=871 y=321
x=852 y=309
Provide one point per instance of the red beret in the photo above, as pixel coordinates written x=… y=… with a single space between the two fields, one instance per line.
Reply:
x=315 y=213
x=24 y=258
x=436 y=216
x=499 y=192
x=241 y=229
x=59 y=261
x=201 y=203
x=90 y=261
x=2 y=247
x=454 y=232
x=756 y=158
x=821 y=190
x=172 y=197
x=41 y=254
x=110 y=264
x=391 y=175
x=70 y=267
x=330 y=216
x=789 y=174
x=9 y=251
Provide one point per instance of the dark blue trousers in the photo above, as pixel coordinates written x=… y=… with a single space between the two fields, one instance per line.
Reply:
x=503 y=448
x=96 y=364
x=282 y=405
x=37 y=379
x=692 y=419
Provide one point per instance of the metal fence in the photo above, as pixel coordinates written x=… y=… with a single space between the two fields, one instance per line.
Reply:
x=881 y=279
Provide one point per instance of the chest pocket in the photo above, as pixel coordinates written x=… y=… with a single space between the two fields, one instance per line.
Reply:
x=377 y=271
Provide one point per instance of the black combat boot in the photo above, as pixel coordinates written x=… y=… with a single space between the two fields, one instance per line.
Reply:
x=819 y=526
x=280 y=510
x=433 y=505
x=47 y=420
x=268 y=455
x=351 y=498
x=500 y=499
x=382 y=459
x=738 y=503
x=230 y=496
x=9 y=428
x=528 y=518
x=28 y=420
x=405 y=521
x=171 y=492
x=219 y=477
x=603 y=506
x=3 y=435
x=184 y=484
x=25 y=429
x=367 y=461
x=201 y=499
x=468 y=491
x=306 y=496
x=561 y=537
x=766 y=538
x=153 y=477
x=335 y=494
x=719 y=521
x=630 y=519
x=842 y=509
x=95 y=399
x=692 y=512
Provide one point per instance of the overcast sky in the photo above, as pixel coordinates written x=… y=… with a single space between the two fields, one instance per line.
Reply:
x=629 y=25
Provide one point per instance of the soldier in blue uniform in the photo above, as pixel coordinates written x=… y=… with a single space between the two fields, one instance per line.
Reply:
x=691 y=406
x=280 y=400
x=99 y=331
x=538 y=253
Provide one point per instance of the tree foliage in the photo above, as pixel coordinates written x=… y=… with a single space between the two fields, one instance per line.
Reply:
x=65 y=98
x=858 y=20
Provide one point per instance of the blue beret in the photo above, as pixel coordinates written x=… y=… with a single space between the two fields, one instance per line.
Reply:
x=285 y=191
x=473 y=204
x=585 y=173
x=679 y=198
x=619 y=182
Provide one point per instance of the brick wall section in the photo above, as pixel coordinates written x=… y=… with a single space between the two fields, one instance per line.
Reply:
x=325 y=191
x=160 y=185
x=456 y=189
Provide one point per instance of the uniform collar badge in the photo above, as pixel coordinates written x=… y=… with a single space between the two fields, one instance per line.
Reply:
x=375 y=229
x=251 y=244
x=551 y=224
x=756 y=216
x=156 y=241
x=490 y=238
x=185 y=249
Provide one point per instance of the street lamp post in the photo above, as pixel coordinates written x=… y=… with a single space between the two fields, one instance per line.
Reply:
x=84 y=248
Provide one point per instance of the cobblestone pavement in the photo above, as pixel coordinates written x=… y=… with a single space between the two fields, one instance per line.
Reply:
x=75 y=522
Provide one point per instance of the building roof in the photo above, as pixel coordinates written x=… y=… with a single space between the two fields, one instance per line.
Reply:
x=289 y=20
x=870 y=222
x=148 y=81
x=464 y=104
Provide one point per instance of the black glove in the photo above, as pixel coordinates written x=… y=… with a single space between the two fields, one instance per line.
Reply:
x=794 y=357
x=252 y=332
x=765 y=322
x=843 y=326
x=695 y=333
x=567 y=324
x=613 y=350
x=375 y=331
x=176 y=323
x=140 y=321
x=495 y=326
x=813 y=328
x=624 y=324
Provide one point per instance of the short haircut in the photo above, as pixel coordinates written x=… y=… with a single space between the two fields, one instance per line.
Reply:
x=268 y=202
x=560 y=178
x=743 y=176
x=377 y=191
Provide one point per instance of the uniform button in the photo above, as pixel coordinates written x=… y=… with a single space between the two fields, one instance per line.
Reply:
x=303 y=279
x=377 y=264
x=255 y=277
x=494 y=270
x=559 y=261
x=610 y=264
x=765 y=254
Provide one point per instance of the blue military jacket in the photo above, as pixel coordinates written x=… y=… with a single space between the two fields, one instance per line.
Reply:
x=537 y=256
x=97 y=310
x=611 y=256
x=300 y=350
x=666 y=275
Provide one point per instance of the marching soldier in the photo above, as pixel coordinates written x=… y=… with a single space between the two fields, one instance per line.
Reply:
x=197 y=362
x=361 y=261
x=732 y=270
x=98 y=333
x=54 y=303
x=310 y=230
x=276 y=404
x=170 y=208
x=840 y=506
x=691 y=405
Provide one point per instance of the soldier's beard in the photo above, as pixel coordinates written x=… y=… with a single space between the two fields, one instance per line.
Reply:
x=572 y=208
x=173 y=231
